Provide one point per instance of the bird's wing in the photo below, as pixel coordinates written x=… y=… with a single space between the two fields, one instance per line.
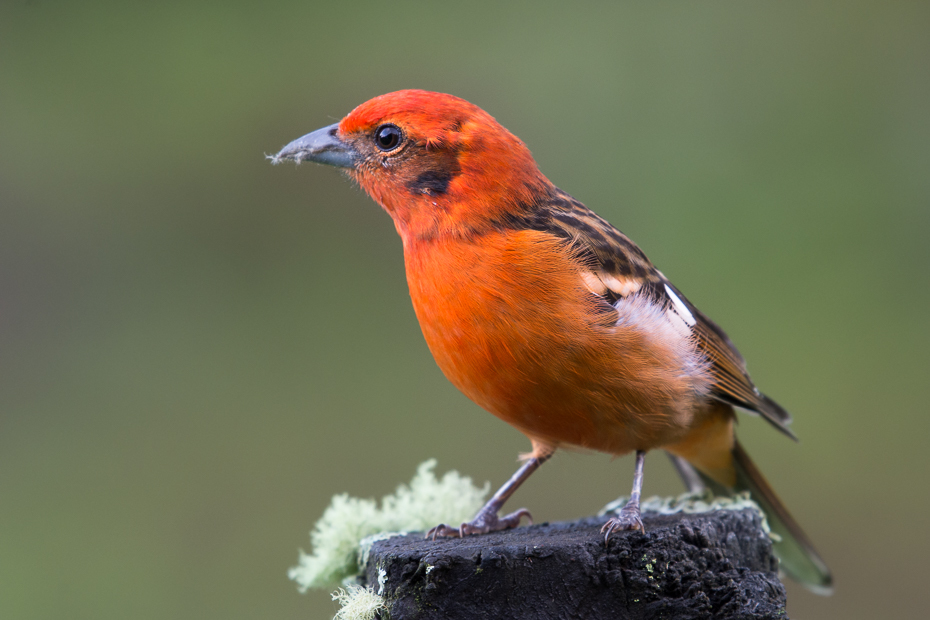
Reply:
x=617 y=268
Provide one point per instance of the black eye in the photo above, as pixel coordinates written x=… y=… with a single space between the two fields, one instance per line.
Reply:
x=387 y=137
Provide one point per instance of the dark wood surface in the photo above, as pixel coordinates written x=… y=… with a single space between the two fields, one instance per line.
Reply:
x=709 y=565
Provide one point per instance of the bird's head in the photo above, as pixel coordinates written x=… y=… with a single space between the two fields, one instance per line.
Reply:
x=437 y=164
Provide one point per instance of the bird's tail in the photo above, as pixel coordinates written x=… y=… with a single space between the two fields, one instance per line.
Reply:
x=799 y=559
x=712 y=455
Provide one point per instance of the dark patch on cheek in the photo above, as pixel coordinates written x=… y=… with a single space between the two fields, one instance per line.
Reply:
x=431 y=182
x=435 y=173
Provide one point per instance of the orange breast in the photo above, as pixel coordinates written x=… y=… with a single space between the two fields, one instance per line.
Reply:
x=510 y=322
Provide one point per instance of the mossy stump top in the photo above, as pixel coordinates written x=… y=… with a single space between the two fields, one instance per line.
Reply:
x=708 y=565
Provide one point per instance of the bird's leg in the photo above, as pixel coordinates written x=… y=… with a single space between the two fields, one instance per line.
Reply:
x=688 y=474
x=629 y=517
x=487 y=520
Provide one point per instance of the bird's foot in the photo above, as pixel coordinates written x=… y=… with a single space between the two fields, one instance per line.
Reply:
x=483 y=523
x=628 y=519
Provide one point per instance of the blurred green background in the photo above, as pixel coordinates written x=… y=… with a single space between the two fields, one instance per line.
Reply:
x=197 y=349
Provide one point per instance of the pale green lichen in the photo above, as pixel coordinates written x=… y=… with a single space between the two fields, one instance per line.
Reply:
x=364 y=550
x=358 y=603
x=705 y=501
x=344 y=534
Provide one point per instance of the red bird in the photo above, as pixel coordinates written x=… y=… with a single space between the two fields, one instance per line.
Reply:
x=546 y=315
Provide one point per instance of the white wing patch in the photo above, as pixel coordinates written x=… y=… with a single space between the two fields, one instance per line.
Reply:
x=680 y=308
x=669 y=332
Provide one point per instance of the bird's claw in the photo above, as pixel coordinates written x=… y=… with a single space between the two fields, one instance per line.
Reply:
x=442 y=531
x=628 y=519
x=481 y=524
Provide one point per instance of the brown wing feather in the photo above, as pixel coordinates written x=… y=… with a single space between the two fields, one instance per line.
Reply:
x=732 y=383
x=618 y=268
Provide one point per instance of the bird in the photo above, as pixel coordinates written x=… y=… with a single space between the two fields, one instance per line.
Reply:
x=547 y=316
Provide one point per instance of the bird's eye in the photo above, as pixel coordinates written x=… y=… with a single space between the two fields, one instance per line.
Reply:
x=388 y=137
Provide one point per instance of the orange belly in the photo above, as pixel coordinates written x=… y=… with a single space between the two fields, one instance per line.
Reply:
x=511 y=324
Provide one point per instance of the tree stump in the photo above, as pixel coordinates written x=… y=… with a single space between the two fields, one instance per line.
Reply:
x=709 y=565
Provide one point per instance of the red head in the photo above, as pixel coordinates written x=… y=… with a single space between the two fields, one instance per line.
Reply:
x=436 y=163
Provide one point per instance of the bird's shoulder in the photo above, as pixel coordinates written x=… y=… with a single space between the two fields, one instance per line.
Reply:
x=601 y=248
x=615 y=269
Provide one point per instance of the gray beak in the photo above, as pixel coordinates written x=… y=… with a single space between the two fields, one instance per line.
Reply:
x=322 y=146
